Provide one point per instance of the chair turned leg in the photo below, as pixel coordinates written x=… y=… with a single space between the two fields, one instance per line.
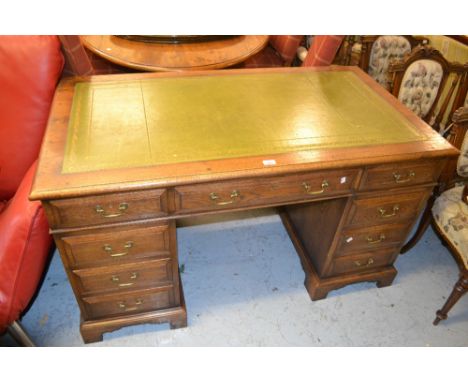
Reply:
x=459 y=290
x=422 y=227
x=19 y=334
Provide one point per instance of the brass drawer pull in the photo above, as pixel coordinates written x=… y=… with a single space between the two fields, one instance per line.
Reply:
x=321 y=191
x=138 y=302
x=122 y=208
x=234 y=197
x=381 y=238
x=369 y=262
x=108 y=249
x=116 y=279
x=123 y=306
x=384 y=214
x=400 y=179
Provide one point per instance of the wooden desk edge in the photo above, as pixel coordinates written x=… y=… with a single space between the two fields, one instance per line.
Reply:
x=54 y=184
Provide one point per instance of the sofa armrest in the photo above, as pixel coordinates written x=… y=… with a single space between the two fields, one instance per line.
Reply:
x=24 y=247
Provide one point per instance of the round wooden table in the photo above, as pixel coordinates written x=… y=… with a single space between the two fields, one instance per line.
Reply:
x=149 y=56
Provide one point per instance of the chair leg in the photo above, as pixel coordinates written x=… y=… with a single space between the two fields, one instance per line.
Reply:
x=459 y=290
x=19 y=334
x=422 y=227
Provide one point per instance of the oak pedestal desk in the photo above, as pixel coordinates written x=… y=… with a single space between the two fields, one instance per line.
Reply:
x=125 y=156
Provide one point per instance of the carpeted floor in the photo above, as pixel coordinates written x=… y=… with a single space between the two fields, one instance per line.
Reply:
x=244 y=287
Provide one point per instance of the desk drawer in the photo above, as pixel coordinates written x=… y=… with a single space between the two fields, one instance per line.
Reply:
x=363 y=261
x=371 y=238
x=128 y=303
x=128 y=276
x=387 y=209
x=400 y=174
x=264 y=191
x=115 y=245
x=104 y=209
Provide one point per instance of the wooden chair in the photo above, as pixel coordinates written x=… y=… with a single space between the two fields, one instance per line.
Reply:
x=419 y=79
x=79 y=61
x=461 y=97
x=280 y=51
x=322 y=50
x=447 y=210
x=377 y=52
x=349 y=53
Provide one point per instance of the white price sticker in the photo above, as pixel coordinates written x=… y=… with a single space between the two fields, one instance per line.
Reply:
x=269 y=162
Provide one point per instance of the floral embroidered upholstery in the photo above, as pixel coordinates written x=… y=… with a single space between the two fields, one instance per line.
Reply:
x=420 y=85
x=462 y=164
x=451 y=216
x=385 y=49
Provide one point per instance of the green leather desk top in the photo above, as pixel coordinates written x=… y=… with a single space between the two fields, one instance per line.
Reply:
x=153 y=121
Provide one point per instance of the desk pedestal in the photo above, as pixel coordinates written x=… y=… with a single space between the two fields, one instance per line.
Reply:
x=352 y=238
x=318 y=287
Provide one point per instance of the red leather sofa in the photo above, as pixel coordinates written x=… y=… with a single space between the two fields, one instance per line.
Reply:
x=29 y=72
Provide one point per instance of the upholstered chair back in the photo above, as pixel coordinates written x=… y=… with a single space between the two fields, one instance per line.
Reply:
x=449 y=210
x=420 y=86
x=419 y=79
x=385 y=49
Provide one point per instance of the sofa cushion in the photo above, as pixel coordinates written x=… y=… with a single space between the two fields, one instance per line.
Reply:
x=24 y=249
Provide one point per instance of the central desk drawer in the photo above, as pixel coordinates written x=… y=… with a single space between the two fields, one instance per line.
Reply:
x=263 y=191
x=128 y=276
x=104 y=209
x=129 y=303
x=114 y=246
